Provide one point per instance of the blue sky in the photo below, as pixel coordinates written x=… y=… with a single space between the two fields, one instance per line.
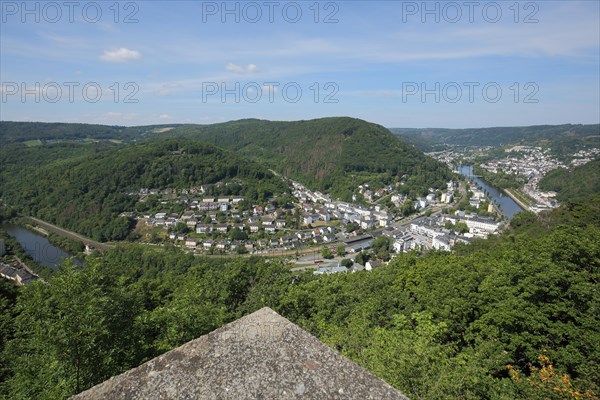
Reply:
x=396 y=63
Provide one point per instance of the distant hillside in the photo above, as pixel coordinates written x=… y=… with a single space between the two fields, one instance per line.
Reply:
x=560 y=138
x=581 y=182
x=331 y=154
x=83 y=187
x=16 y=132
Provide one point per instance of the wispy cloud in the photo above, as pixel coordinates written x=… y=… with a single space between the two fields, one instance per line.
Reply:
x=238 y=69
x=121 y=55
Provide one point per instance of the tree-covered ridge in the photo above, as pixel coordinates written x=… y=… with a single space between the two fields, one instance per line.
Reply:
x=83 y=188
x=331 y=154
x=514 y=317
x=580 y=182
x=561 y=139
x=16 y=132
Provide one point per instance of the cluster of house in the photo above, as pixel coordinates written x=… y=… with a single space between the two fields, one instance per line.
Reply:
x=477 y=197
x=366 y=218
x=433 y=233
x=19 y=275
x=532 y=165
x=296 y=240
x=212 y=218
x=265 y=223
x=14 y=273
x=584 y=156
x=447 y=197
x=334 y=269
x=372 y=195
x=423 y=234
x=199 y=209
x=318 y=206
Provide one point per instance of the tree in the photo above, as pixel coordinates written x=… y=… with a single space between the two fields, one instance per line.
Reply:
x=414 y=350
x=8 y=297
x=361 y=258
x=462 y=227
x=182 y=228
x=326 y=253
x=407 y=208
x=351 y=227
x=523 y=219
x=72 y=324
x=346 y=262
x=544 y=382
x=381 y=243
x=340 y=250
x=238 y=234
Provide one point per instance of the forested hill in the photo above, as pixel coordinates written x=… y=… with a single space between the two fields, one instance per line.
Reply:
x=580 y=182
x=561 y=138
x=18 y=132
x=331 y=154
x=83 y=187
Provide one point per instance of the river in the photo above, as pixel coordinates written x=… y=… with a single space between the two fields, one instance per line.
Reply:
x=37 y=246
x=508 y=206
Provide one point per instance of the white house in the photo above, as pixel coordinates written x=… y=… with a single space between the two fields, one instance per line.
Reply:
x=371 y=264
x=192 y=243
x=307 y=219
x=441 y=243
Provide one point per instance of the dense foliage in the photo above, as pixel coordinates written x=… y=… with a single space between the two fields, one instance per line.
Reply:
x=83 y=187
x=11 y=132
x=71 y=246
x=580 y=182
x=500 y=179
x=332 y=154
x=512 y=317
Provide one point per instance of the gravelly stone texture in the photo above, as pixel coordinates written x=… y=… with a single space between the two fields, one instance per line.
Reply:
x=259 y=356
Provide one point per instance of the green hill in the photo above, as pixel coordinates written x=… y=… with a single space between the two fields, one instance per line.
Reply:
x=580 y=182
x=83 y=187
x=561 y=139
x=331 y=154
x=19 y=132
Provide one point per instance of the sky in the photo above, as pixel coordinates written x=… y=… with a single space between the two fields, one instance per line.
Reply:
x=396 y=63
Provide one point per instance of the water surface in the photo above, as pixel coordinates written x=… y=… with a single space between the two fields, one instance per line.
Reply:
x=37 y=246
x=508 y=206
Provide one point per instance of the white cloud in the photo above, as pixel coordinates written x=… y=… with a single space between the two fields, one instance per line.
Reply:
x=165 y=117
x=238 y=69
x=120 y=55
x=119 y=116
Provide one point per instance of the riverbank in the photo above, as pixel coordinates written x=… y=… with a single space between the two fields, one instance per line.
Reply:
x=69 y=234
x=73 y=247
x=36 y=229
x=507 y=203
x=516 y=199
x=15 y=253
